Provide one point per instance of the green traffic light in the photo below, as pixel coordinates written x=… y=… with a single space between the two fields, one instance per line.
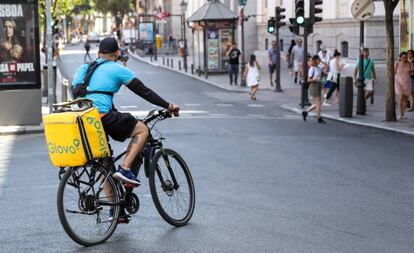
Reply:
x=300 y=20
x=271 y=29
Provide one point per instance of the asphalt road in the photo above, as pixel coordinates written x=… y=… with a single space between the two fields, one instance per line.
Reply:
x=265 y=180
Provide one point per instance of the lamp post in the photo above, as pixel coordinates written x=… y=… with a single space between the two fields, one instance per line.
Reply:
x=242 y=4
x=183 y=5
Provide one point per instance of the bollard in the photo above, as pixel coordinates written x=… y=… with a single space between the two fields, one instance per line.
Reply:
x=205 y=73
x=172 y=63
x=199 y=70
x=44 y=81
x=346 y=97
x=192 y=69
x=179 y=65
x=151 y=58
x=163 y=60
x=64 y=85
x=168 y=62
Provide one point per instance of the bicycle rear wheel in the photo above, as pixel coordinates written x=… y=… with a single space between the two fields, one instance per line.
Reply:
x=172 y=187
x=87 y=212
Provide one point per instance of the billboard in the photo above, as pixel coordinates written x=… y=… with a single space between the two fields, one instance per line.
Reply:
x=19 y=40
x=146 y=31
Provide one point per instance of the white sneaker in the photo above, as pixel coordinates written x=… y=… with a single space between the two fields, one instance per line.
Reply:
x=325 y=103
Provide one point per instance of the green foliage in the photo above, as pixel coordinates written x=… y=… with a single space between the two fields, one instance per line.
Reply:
x=113 y=6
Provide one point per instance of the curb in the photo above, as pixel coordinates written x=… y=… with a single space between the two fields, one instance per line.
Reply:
x=17 y=130
x=348 y=121
x=139 y=58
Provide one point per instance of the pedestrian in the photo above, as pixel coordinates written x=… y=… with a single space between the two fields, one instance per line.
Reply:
x=297 y=55
x=410 y=55
x=234 y=54
x=335 y=67
x=369 y=73
x=403 y=71
x=170 y=41
x=272 y=53
x=252 y=76
x=315 y=88
x=324 y=65
x=289 y=58
x=87 y=49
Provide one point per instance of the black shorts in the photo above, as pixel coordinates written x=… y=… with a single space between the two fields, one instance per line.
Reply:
x=272 y=68
x=119 y=125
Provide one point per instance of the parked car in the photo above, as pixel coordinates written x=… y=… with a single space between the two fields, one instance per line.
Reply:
x=93 y=37
x=75 y=39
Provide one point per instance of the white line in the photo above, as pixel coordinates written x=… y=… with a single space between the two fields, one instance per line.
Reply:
x=255 y=115
x=224 y=105
x=6 y=143
x=128 y=106
x=255 y=105
x=192 y=105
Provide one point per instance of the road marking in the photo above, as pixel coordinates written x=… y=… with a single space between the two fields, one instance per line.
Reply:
x=255 y=105
x=128 y=106
x=6 y=144
x=225 y=105
x=192 y=105
x=255 y=115
x=145 y=113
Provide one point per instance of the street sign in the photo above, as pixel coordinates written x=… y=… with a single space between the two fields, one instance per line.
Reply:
x=242 y=2
x=363 y=9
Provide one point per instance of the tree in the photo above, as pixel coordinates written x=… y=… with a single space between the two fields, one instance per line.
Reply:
x=390 y=114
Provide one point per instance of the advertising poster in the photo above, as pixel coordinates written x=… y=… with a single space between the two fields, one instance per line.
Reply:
x=225 y=43
x=405 y=25
x=213 y=50
x=19 y=54
x=146 y=31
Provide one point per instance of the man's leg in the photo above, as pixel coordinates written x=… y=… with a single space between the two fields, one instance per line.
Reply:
x=139 y=137
x=236 y=73
x=231 y=74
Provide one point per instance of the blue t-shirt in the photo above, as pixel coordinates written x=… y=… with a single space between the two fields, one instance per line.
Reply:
x=109 y=76
x=272 y=54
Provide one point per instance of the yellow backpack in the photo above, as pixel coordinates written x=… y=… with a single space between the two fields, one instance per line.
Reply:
x=75 y=136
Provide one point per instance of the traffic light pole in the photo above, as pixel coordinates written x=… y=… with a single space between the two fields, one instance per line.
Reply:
x=278 y=62
x=361 y=103
x=304 y=94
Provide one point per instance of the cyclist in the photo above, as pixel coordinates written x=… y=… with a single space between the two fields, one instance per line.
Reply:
x=108 y=78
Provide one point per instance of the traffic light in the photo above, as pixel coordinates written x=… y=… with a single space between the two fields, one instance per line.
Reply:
x=293 y=27
x=271 y=25
x=280 y=16
x=313 y=10
x=300 y=12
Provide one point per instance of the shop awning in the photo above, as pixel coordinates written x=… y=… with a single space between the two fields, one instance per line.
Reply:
x=214 y=10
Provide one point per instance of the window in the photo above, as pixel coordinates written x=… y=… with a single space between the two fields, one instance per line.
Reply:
x=344 y=48
x=318 y=45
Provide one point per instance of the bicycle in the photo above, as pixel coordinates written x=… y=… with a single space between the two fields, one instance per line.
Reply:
x=97 y=198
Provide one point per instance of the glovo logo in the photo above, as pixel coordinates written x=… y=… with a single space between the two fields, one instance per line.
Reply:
x=63 y=149
x=101 y=137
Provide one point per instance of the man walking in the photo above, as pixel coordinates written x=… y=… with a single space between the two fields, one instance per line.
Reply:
x=272 y=61
x=297 y=54
x=234 y=54
x=87 y=49
x=370 y=75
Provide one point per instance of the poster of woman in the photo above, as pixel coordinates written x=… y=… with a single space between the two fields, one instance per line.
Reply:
x=405 y=26
x=18 y=52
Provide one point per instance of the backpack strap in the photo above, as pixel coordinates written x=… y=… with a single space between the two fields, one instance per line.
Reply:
x=82 y=89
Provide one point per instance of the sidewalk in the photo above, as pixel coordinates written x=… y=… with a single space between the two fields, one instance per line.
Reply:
x=375 y=117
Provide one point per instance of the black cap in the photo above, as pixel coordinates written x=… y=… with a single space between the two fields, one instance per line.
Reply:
x=108 y=46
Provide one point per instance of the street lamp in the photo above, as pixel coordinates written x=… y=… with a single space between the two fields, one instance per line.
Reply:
x=183 y=5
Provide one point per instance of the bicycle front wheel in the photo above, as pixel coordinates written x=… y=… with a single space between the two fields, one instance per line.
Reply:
x=88 y=204
x=172 y=187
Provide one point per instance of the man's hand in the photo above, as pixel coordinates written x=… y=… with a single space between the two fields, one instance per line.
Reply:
x=174 y=109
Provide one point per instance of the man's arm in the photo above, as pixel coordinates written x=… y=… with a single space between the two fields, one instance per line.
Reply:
x=146 y=93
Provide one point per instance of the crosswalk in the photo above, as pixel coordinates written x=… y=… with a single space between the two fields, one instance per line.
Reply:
x=195 y=111
x=6 y=144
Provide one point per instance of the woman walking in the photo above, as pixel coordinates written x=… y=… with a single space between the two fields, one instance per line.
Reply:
x=315 y=88
x=335 y=67
x=403 y=71
x=410 y=56
x=252 y=76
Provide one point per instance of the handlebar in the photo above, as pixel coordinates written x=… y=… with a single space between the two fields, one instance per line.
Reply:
x=160 y=115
